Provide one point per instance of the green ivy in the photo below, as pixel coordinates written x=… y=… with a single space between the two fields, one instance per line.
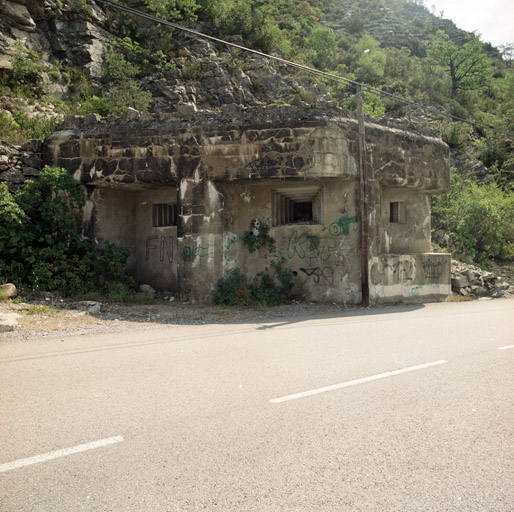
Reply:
x=266 y=288
x=258 y=237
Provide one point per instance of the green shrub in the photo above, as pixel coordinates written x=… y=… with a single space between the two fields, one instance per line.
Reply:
x=21 y=127
x=27 y=65
x=116 y=101
x=193 y=71
x=258 y=237
x=264 y=290
x=479 y=218
x=232 y=290
x=80 y=7
x=118 y=69
x=40 y=248
x=456 y=135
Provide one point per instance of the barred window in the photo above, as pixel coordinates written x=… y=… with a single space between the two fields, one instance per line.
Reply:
x=164 y=214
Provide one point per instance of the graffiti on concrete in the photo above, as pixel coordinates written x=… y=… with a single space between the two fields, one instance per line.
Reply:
x=229 y=244
x=319 y=275
x=164 y=245
x=428 y=288
x=432 y=270
x=415 y=290
x=308 y=246
x=311 y=247
x=342 y=226
x=401 y=271
x=194 y=251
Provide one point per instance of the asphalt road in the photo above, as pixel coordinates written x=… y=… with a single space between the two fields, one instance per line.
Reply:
x=392 y=409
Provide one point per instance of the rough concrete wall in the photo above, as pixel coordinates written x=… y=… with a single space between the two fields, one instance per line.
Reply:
x=114 y=218
x=409 y=277
x=124 y=217
x=325 y=258
x=225 y=171
x=411 y=234
x=200 y=242
x=398 y=158
x=295 y=144
x=156 y=247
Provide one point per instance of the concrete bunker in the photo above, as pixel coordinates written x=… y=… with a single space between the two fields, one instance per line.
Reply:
x=179 y=193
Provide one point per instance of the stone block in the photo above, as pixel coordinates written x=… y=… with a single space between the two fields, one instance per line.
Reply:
x=8 y=321
x=460 y=281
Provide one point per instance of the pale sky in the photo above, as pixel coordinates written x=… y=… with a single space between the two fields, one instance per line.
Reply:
x=492 y=19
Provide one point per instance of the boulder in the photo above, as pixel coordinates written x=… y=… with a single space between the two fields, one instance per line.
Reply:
x=147 y=290
x=19 y=16
x=8 y=321
x=8 y=291
x=89 y=306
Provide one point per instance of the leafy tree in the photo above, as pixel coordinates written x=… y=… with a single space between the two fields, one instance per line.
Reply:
x=323 y=43
x=479 y=218
x=173 y=10
x=370 y=60
x=466 y=66
x=507 y=51
x=12 y=222
x=505 y=102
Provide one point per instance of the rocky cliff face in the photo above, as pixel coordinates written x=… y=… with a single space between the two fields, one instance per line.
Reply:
x=56 y=30
x=79 y=37
x=67 y=35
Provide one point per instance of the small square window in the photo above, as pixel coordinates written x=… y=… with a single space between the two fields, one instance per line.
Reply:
x=396 y=212
x=299 y=205
x=164 y=214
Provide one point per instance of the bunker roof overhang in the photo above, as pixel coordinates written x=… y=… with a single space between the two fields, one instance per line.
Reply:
x=279 y=144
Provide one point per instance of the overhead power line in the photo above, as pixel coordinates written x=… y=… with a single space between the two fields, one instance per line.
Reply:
x=330 y=76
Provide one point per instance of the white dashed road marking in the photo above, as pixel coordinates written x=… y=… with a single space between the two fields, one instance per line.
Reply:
x=8 y=466
x=355 y=382
x=506 y=347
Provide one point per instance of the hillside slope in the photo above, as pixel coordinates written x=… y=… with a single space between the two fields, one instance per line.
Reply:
x=81 y=57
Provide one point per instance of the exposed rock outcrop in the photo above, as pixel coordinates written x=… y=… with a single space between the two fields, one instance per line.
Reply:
x=471 y=280
x=19 y=163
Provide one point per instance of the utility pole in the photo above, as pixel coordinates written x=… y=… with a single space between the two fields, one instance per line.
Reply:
x=363 y=196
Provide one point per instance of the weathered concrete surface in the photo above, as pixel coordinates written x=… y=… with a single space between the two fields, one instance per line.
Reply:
x=222 y=172
x=410 y=277
x=279 y=144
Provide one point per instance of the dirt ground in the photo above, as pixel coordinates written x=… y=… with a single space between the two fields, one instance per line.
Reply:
x=55 y=317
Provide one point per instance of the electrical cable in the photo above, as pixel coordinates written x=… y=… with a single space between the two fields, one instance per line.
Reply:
x=330 y=76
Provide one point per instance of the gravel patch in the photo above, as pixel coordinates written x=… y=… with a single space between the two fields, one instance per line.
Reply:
x=46 y=319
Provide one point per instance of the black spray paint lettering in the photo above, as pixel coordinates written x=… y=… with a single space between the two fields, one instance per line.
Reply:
x=165 y=247
x=319 y=273
x=432 y=270
x=402 y=271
